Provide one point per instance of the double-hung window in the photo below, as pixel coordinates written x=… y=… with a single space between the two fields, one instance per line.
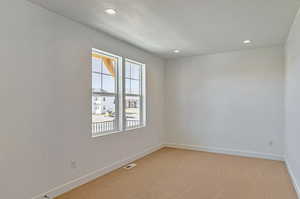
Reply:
x=106 y=92
x=134 y=94
x=118 y=93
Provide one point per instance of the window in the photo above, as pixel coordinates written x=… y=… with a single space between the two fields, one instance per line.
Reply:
x=134 y=94
x=118 y=98
x=105 y=92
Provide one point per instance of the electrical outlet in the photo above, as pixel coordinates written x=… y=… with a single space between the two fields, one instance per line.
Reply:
x=73 y=164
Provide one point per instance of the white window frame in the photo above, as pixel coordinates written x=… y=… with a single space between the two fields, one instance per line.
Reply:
x=120 y=95
x=142 y=95
x=117 y=94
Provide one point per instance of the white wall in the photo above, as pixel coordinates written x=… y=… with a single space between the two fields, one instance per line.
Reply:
x=292 y=137
x=45 y=109
x=232 y=101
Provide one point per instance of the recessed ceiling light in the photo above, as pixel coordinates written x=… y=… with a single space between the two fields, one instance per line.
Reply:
x=111 y=11
x=247 y=41
x=176 y=51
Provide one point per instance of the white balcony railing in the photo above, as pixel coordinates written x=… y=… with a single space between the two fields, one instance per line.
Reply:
x=103 y=127
x=108 y=126
x=132 y=123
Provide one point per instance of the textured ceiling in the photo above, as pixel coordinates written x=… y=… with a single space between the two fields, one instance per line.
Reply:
x=193 y=26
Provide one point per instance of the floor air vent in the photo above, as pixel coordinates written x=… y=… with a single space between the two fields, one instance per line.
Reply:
x=130 y=166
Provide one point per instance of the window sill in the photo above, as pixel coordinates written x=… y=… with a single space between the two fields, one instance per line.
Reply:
x=134 y=128
x=105 y=134
x=115 y=132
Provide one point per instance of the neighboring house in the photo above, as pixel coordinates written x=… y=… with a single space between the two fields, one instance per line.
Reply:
x=103 y=104
x=132 y=103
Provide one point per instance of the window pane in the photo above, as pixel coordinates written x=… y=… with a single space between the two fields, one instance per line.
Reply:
x=132 y=111
x=108 y=84
x=96 y=82
x=127 y=86
x=127 y=70
x=106 y=67
x=135 y=87
x=135 y=71
x=104 y=115
x=96 y=65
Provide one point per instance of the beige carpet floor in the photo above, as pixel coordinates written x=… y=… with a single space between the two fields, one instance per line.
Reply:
x=184 y=174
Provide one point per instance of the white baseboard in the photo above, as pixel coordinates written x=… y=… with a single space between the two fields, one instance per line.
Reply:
x=95 y=174
x=100 y=172
x=227 y=151
x=294 y=180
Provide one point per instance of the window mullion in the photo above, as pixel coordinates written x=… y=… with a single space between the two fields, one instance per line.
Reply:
x=141 y=97
x=117 y=103
x=101 y=75
x=123 y=95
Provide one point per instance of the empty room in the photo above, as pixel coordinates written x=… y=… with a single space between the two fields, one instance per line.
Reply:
x=149 y=99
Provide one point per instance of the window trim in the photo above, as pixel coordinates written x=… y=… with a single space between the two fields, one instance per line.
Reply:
x=117 y=94
x=120 y=95
x=141 y=95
